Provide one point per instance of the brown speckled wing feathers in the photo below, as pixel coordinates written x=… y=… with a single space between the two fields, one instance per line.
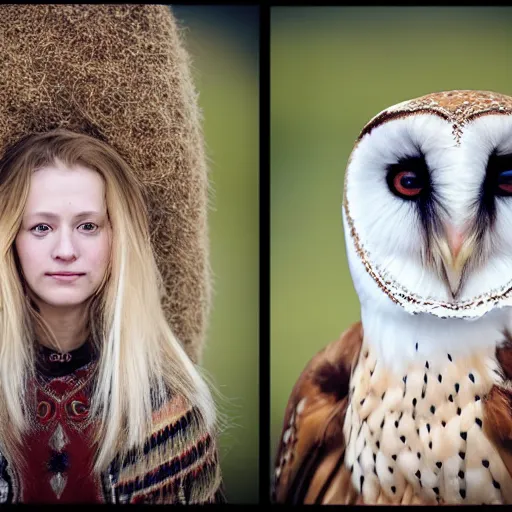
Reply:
x=498 y=406
x=311 y=448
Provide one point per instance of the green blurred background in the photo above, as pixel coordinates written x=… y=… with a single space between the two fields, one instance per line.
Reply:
x=223 y=44
x=332 y=70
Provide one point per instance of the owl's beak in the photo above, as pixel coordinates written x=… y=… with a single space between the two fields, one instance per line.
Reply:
x=455 y=252
x=455 y=240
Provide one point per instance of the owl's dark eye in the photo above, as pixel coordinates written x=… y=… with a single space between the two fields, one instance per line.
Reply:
x=505 y=183
x=407 y=183
x=498 y=180
x=408 y=178
x=497 y=185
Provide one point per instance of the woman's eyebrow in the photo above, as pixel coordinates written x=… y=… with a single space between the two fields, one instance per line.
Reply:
x=54 y=216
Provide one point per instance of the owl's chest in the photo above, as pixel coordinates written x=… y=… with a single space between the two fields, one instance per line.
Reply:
x=420 y=437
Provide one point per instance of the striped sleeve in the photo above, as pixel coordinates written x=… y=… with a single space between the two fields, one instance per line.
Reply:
x=179 y=465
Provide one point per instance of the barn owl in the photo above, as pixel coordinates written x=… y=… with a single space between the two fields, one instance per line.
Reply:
x=413 y=404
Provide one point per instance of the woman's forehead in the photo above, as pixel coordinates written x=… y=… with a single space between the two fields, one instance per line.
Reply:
x=59 y=186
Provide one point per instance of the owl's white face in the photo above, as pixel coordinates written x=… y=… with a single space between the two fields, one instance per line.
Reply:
x=430 y=216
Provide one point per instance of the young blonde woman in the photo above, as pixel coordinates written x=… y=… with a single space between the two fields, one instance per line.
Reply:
x=98 y=400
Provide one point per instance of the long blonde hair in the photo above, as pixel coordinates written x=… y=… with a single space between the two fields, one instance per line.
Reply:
x=141 y=363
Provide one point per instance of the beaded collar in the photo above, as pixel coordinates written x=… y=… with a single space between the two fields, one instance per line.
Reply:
x=52 y=363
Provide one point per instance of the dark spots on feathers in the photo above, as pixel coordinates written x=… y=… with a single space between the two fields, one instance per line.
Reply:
x=485 y=463
x=418 y=473
x=443 y=423
x=414 y=402
x=432 y=409
x=428 y=428
x=393 y=489
x=450 y=357
x=332 y=379
x=462 y=455
x=440 y=378
x=393 y=457
x=478 y=421
x=450 y=398
x=461 y=474
x=457 y=387
x=471 y=378
x=496 y=484
x=362 y=481
x=402 y=438
x=464 y=435
x=459 y=410
x=463 y=493
x=477 y=397
x=390 y=469
x=436 y=489
x=439 y=464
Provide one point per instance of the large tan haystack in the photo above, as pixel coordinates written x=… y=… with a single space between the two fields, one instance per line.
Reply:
x=120 y=73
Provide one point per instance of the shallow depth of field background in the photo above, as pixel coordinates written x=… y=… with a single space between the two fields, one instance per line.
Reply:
x=332 y=70
x=223 y=44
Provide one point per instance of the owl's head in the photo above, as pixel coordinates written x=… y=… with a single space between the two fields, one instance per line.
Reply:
x=428 y=204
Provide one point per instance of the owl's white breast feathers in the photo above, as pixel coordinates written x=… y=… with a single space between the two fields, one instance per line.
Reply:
x=401 y=339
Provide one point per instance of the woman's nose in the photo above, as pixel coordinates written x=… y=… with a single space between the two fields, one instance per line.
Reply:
x=64 y=245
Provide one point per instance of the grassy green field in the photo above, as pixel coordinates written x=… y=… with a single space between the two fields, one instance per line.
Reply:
x=225 y=69
x=332 y=70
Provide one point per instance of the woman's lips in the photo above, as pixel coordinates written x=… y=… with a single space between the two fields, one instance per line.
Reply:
x=66 y=277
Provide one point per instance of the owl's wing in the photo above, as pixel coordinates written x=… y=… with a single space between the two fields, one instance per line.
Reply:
x=312 y=446
x=498 y=406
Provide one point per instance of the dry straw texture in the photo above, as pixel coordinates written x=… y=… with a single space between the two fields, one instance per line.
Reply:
x=120 y=73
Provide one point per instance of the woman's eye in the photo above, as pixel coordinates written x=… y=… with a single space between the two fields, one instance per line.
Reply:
x=505 y=182
x=407 y=184
x=89 y=226
x=38 y=229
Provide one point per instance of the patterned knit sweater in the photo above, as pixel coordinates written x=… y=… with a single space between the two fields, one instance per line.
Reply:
x=180 y=462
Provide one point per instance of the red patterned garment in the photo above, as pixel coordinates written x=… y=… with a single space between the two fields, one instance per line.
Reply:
x=180 y=462
x=58 y=450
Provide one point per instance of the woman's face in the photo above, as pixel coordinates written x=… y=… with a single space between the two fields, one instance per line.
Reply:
x=65 y=230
